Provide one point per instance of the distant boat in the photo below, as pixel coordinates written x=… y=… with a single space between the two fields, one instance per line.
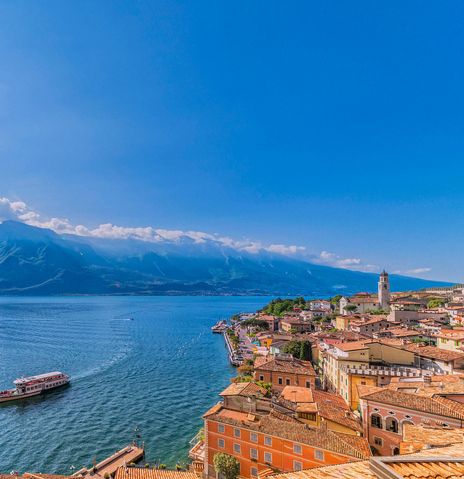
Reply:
x=34 y=385
x=219 y=327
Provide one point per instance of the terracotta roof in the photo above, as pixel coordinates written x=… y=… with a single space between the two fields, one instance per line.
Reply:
x=433 y=352
x=213 y=410
x=403 y=332
x=416 y=438
x=293 y=365
x=297 y=394
x=145 y=473
x=438 y=385
x=424 y=468
x=361 y=299
x=378 y=319
x=243 y=389
x=439 y=406
x=286 y=427
x=352 y=346
x=451 y=334
x=428 y=470
x=332 y=407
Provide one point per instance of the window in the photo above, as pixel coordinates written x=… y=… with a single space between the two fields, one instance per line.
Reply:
x=287 y=381
x=376 y=421
x=237 y=449
x=378 y=441
x=237 y=432
x=391 y=424
x=261 y=377
x=280 y=381
x=254 y=453
x=319 y=455
x=253 y=437
x=220 y=427
x=296 y=448
x=363 y=383
x=297 y=466
x=309 y=416
x=308 y=384
x=268 y=441
x=254 y=472
x=268 y=457
x=221 y=443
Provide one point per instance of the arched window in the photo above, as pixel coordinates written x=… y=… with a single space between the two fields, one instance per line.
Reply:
x=396 y=451
x=391 y=424
x=376 y=421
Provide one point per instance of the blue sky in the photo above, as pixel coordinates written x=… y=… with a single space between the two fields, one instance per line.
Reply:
x=337 y=126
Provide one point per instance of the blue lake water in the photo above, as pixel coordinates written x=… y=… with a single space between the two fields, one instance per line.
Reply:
x=159 y=372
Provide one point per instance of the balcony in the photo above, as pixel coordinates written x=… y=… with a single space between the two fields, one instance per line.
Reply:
x=197 y=451
x=395 y=371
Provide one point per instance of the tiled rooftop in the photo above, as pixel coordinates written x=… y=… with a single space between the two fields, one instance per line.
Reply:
x=292 y=365
x=145 y=473
x=429 y=465
x=432 y=352
x=439 y=406
x=244 y=389
x=285 y=427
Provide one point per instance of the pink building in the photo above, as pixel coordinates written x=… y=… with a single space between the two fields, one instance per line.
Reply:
x=385 y=412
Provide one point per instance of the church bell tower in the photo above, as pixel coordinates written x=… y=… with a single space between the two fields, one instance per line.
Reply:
x=384 y=291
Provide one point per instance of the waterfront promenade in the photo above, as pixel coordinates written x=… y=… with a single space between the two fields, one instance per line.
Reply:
x=110 y=465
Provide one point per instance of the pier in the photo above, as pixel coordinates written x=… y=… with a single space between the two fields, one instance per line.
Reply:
x=129 y=454
x=232 y=354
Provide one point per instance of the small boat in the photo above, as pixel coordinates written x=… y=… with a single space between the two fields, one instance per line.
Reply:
x=34 y=385
x=219 y=327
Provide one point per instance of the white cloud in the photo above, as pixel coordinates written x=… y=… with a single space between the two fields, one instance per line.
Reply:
x=285 y=250
x=331 y=259
x=11 y=210
x=18 y=210
x=418 y=271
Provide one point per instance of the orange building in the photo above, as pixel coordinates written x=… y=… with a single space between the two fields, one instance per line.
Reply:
x=249 y=428
x=284 y=370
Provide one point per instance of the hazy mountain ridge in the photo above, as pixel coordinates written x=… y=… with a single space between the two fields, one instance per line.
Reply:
x=39 y=261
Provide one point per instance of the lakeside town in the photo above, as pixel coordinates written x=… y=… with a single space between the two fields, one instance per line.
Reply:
x=367 y=386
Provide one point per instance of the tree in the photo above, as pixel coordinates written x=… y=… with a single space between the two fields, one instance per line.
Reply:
x=266 y=386
x=377 y=311
x=305 y=350
x=336 y=299
x=298 y=349
x=257 y=323
x=351 y=308
x=278 y=306
x=435 y=303
x=226 y=465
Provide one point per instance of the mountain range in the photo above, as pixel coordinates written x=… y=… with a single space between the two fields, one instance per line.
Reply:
x=38 y=261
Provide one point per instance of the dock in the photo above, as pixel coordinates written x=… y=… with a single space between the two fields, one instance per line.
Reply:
x=129 y=454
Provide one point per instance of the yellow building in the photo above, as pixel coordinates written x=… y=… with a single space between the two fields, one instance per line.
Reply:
x=367 y=363
x=451 y=339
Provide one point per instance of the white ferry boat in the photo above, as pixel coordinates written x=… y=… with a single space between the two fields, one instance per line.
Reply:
x=34 y=385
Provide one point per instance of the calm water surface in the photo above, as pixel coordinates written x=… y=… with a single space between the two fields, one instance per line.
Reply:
x=159 y=373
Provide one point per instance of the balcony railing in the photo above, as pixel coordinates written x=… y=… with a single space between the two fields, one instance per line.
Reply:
x=384 y=371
